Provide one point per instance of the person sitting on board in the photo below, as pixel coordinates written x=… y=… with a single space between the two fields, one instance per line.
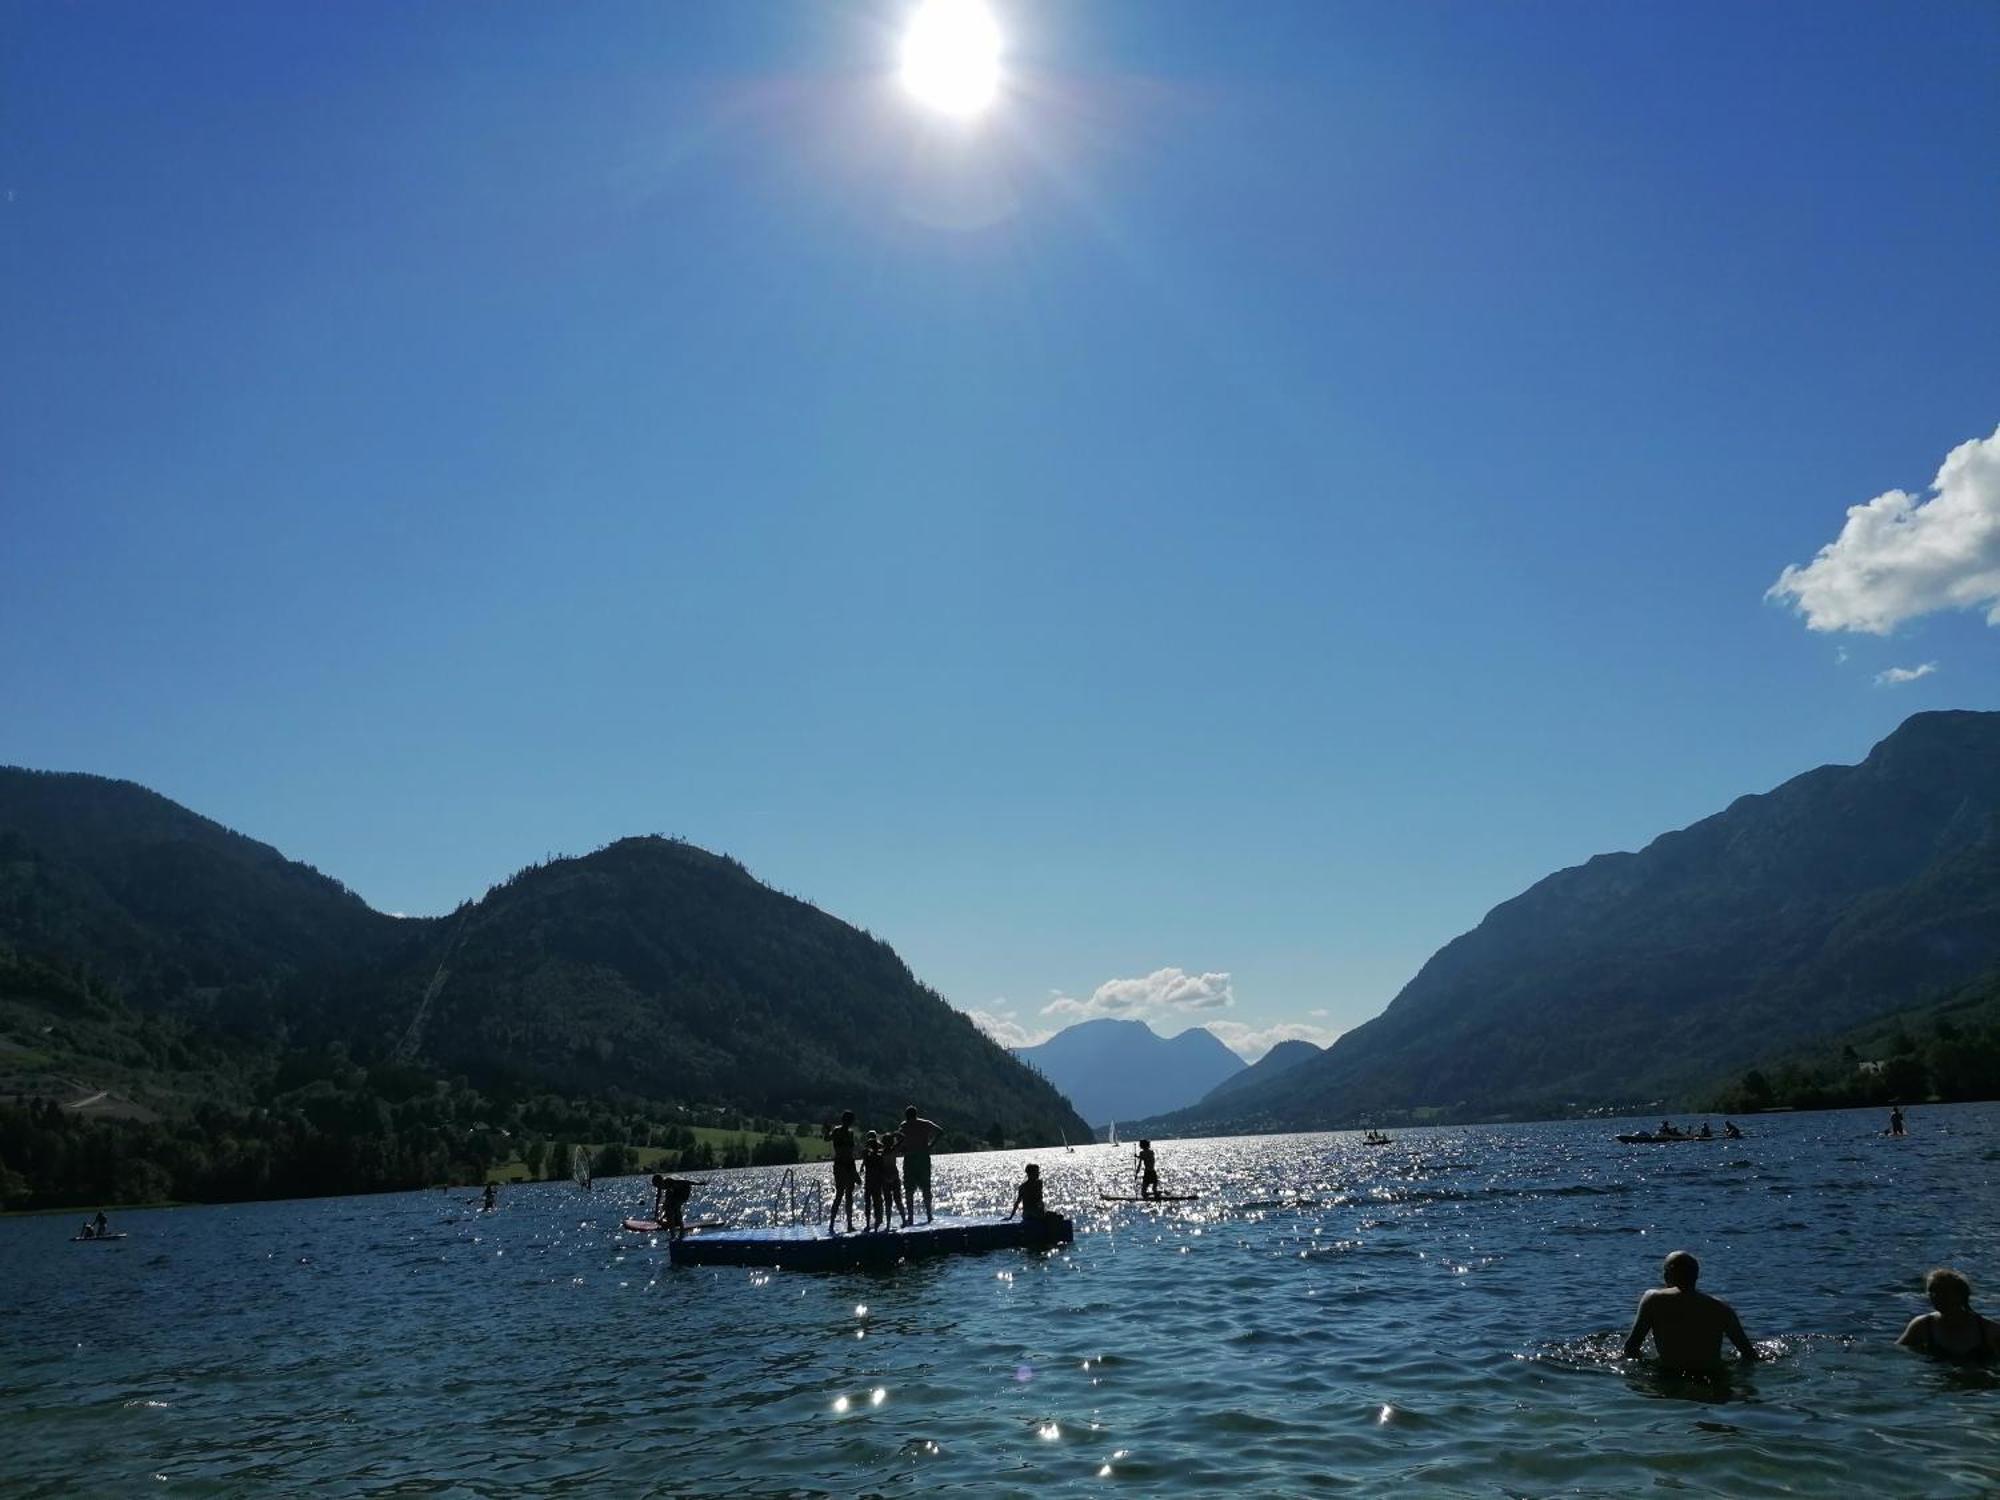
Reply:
x=919 y=1135
x=1687 y=1326
x=1954 y=1331
x=1730 y=1132
x=1028 y=1197
x=492 y=1198
x=1668 y=1131
x=88 y=1232
x=1149 y=1173
x=892 y=1179
x=846 y=1176
x=1895 y=1119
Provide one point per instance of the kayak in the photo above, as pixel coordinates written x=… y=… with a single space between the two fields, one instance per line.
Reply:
x=92 y=1239
x=1643 y=1139
x=1158 y=1198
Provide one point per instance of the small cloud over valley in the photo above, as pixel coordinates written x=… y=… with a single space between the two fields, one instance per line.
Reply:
x=1900 y=556
x=1896 y=675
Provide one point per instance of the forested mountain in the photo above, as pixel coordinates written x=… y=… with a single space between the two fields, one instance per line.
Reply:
x=1844 y=894
x=1280 y=1059
x=1118 y=1070
x=228 y=1021
x=661 y=970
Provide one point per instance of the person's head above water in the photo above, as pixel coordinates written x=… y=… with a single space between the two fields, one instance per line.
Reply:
x=1948 y=1291
x=1681 y=1270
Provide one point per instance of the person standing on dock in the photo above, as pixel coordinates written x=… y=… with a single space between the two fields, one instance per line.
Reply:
x=1149 y=1172
x=846 y=1177
x=919 y=1135
x=1687 y=1326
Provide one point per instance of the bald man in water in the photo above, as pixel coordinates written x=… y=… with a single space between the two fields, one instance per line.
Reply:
x=1687 y=1326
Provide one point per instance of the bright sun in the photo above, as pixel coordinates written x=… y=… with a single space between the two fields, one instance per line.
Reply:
x=951 y=56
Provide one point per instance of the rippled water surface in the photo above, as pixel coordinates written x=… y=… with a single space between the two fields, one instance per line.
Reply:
x=1442 y=1315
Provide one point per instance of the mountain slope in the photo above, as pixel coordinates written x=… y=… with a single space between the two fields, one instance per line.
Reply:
x=173 y=910
x=1842 y=894
x=1119 y=1070
x=651 y=971
x=667 y=972
x=1280 y=1059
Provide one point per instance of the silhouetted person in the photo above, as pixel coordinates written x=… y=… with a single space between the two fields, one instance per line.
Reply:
x=1149 y=1174
x=1954 y=1331
x=919 y=1135
x=1730 y=1132
x=1687 y=1326
x=1705 y=1133
x=1028 y=1197
x=1895 y=1119
x=670 y=1196
x=847 y=1177
x=101 y=1224
x=892 y=1178
x=492 y=1198
x=874 y=1181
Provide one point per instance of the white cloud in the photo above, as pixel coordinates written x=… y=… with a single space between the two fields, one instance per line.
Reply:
x=1251 y=1042
x=1897 y=675
x=1160 y=992
x=1006 y=1030
x=1899 y=556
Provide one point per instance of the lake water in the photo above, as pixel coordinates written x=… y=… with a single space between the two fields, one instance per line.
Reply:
x=1439 y=1316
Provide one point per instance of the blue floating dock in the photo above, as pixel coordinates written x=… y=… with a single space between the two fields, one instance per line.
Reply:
x=808 y=1247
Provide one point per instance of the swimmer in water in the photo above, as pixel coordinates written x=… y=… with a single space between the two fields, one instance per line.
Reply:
x=1687 y=1326
x=1954 y=1331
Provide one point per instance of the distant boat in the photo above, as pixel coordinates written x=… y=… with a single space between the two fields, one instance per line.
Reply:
x=1065 y=1140
x=579 y=1167
x=1112 y=1139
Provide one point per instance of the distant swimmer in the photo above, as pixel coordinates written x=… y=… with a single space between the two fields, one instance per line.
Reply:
x=1954 y=1331
x=846 y=1175
x=1896 y=1119
x=919 y=1135
x=492 y=1198
x=1028 y=1197
x=1149 y=1173
x=1687 y=1326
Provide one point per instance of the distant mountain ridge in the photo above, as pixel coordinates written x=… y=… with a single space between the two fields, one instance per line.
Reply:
x=1114 y=1069
x=1841 y=895
x=650 y=970
x=1280 y=1059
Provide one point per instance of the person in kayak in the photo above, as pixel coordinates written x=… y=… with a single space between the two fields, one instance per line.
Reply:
x=919 y=1135
x=846 y=1176
x=1954 y=1330
x=1687 y=1326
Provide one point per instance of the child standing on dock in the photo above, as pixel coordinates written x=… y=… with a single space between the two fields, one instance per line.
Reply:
x=873 y=1182
x=892 y=1179
x=845 y=1177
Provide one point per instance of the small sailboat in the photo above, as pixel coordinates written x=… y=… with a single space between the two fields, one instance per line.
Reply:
x=1065 y=1140
x=1112 y=1139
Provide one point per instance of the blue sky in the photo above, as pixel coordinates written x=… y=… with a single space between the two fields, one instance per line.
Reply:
x=1185 y=543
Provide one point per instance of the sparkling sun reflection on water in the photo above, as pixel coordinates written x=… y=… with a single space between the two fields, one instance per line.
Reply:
x=1440 y=1316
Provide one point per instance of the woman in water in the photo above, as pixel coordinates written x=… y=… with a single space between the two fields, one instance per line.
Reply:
x=1954 y=1331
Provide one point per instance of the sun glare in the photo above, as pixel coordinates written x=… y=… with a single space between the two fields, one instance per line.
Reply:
x=951 y=56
